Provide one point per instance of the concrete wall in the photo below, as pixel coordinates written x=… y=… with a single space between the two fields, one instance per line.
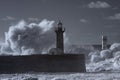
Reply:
x=42 y=63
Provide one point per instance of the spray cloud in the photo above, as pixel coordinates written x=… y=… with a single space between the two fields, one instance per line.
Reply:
x=32 y=38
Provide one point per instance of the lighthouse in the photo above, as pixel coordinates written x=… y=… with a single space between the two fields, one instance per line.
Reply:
x=60 y=37
x=104 y=42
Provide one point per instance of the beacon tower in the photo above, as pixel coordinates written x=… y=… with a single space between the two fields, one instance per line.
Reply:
x=60 y=37
x=104 y=42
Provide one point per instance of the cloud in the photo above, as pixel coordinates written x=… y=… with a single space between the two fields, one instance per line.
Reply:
x=33 y=19
x=83 y=21
x=8 y=18
x=114 y=17
x=98 y=4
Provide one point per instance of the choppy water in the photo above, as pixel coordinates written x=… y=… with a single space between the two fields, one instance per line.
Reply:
x=61 y=76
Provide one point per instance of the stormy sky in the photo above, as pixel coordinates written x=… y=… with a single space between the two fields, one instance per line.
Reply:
x=85 y=20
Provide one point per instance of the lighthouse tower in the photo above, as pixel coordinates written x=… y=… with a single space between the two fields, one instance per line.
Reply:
x=104 y=42
x=60 y=37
